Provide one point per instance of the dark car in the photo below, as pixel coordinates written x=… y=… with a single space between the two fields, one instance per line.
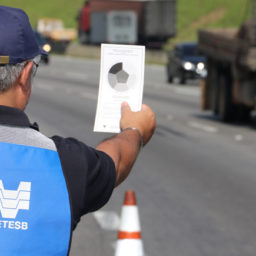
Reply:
x=185 y=63
x=44 y=45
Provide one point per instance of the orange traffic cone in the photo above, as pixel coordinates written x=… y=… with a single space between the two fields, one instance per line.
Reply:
x=129 y=237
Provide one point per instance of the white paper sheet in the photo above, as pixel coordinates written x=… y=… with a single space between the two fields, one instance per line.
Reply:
x=121 y=79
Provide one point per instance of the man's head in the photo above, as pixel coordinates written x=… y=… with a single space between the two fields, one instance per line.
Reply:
x=19 y=54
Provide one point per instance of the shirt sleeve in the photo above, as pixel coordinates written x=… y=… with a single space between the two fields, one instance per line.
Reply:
x=90 y=175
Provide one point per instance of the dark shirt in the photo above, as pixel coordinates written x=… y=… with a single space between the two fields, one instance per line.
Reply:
x=90 y=174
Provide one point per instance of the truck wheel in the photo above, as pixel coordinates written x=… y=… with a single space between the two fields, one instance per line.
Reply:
x=242 y=114
x=225 y=99
x=215 y=91
x=215 y=100
x=203 y=94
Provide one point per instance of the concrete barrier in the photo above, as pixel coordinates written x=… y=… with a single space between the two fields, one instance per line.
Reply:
x=93 y=52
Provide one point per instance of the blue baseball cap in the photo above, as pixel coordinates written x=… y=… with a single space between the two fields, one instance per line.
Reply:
x=17 y=39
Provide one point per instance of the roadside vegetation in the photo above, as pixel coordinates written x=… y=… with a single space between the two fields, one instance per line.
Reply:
x=63 y=9
x=191 y=14
x=196 y=14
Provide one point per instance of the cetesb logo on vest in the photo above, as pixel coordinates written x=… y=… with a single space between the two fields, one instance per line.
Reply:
x=11 y=201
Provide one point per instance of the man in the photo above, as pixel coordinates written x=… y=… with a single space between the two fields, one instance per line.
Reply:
x=47 y=184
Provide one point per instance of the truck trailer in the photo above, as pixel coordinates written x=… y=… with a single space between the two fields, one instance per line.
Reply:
x=149 y=22
x=229 y=89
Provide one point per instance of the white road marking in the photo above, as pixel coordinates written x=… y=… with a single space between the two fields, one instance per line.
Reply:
x=187 y=91
x=203 y=127
x=44 y=87
x=69 y=90
x=169 y=117
x=76 y=75
x=89 y=95
x=107 y=220
x=239 y=137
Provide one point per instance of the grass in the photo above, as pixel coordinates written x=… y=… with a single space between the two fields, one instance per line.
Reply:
x=190 y=11
x=191 y=14
x=63 y=9
x=196 y=14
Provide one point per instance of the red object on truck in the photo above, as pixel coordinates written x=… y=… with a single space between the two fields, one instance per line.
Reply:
x=84 y=18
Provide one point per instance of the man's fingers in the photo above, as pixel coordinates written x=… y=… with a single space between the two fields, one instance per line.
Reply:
x=145 y=107
x=125 y=106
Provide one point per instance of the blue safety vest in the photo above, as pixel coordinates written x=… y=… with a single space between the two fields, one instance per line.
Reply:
x=35 y=217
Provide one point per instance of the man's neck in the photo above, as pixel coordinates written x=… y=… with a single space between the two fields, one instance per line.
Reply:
x=9 y=98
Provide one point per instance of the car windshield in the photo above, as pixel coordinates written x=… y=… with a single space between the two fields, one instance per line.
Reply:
x=190 y=50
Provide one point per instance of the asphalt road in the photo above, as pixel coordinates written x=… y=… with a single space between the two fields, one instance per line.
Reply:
x=194 y=182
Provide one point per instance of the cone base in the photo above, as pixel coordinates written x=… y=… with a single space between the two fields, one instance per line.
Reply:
x=129 y=247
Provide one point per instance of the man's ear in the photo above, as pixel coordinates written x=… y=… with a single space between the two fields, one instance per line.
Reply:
x=25 y=75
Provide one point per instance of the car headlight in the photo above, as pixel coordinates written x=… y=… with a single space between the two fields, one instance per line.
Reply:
x=47 y=47
x=188 y=65
x=200 y=65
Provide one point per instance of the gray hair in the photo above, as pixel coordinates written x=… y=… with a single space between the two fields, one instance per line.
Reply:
x=9 y=74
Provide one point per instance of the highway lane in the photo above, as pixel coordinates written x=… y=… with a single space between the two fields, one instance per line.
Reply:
x=195 y=181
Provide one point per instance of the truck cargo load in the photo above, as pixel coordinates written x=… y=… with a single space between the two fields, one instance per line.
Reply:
x=53 y=29
x=229 y=89
x=153 y=21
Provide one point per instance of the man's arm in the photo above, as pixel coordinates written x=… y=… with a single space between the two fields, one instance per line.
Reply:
x=124 y=147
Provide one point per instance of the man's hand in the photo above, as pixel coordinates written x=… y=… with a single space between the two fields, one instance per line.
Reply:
x=125 y=146
x=144 y=120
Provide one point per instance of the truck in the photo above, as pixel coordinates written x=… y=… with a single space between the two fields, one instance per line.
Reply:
x=229 y=90
x=149 y=22
x=53 y=30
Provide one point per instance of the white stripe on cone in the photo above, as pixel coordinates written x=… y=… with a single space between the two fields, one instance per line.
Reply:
x=129 y=247
x=129 y=219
